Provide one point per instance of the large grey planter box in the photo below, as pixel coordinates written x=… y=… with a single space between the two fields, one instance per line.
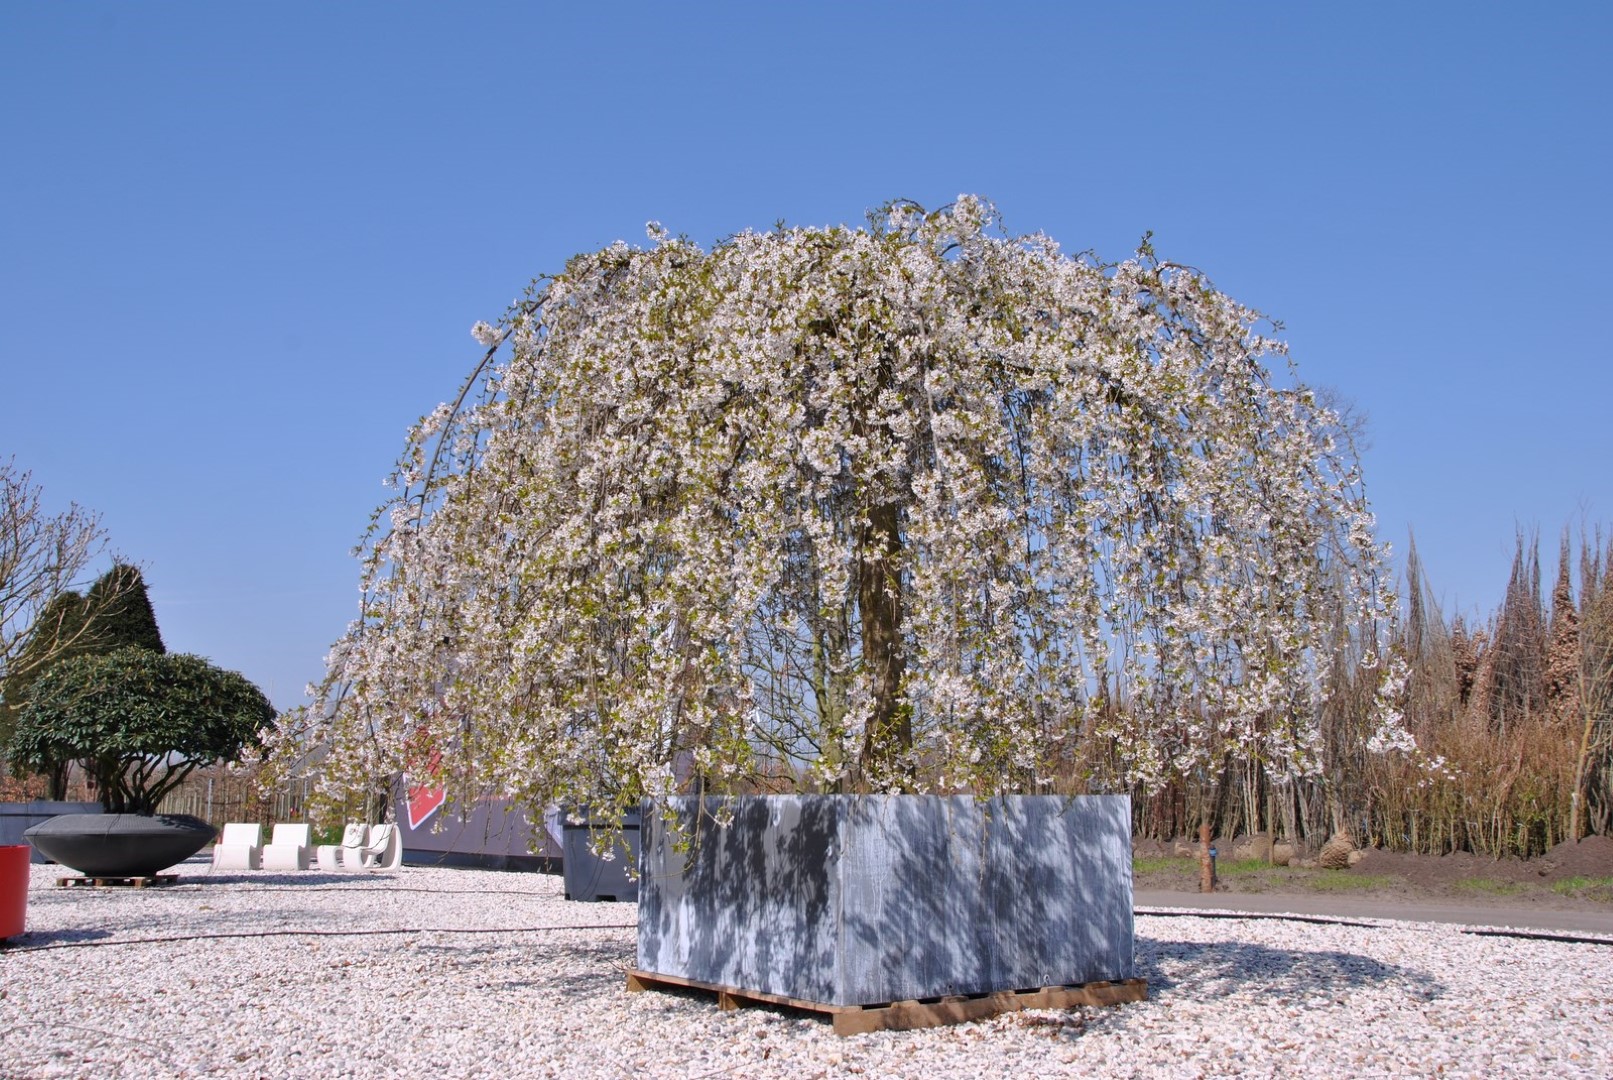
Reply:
x=17 y=818
x=861 y=900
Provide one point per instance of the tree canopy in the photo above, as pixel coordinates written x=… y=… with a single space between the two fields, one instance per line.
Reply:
x=56 y=632
x=139 y=720
x=114 y=613
x=913 y=507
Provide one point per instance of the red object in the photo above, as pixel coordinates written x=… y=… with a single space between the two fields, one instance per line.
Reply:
x=423 y=802
x=13 y=888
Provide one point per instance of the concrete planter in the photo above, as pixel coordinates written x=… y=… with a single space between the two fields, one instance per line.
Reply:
x=590 y=877
x=18 y=818
x=121 y=845
x=861 y=900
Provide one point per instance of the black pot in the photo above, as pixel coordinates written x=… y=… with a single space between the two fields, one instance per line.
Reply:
x=120 y=845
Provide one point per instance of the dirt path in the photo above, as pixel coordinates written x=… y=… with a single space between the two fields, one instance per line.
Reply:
x=1375 y=907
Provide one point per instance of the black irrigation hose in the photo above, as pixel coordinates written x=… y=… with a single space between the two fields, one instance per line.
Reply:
x=314 y=933
x=1526 y=935
x=1541 y=935
x=1190 y=913
x=362 y=889
x=1163 y=913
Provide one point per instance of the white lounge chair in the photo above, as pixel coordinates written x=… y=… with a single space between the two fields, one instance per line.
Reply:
x=288 y=848
x=345 y=854
x=383 y=851
x=239 y=848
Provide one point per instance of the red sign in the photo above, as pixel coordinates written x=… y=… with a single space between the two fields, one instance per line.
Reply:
x=423 y=802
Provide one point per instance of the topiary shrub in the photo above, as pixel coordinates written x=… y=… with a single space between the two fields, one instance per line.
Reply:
x=119 y=607
x=140 y=721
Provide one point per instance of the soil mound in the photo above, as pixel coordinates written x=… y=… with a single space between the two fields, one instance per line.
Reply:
x=1590 y=857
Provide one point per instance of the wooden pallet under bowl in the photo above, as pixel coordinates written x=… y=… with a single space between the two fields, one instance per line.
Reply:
x=106 y=882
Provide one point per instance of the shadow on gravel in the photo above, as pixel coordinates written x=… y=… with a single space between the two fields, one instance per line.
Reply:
x=1193 y=971
x=34 y=939
x=1221 y=969
x=300 y=879
x=294 y=881
x=581 y=954
x=608 y=976
x=589 y=968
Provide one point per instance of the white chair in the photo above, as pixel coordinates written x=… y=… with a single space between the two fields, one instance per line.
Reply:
x=288 y=848
x=336 y=856
x=384 y=851
x=239 y=848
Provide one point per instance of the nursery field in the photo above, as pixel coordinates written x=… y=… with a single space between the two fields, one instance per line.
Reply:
x=1570 y=877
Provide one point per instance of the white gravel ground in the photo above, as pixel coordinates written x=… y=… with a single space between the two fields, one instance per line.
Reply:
x=464 y=973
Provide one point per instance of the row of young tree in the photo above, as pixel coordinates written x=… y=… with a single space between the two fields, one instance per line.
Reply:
x=1512 y=715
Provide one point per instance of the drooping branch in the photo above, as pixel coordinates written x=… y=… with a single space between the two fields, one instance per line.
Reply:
x=921 y=507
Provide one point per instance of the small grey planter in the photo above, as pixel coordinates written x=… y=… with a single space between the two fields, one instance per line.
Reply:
x=862 y=900
x=18 y=818
x=590 y=877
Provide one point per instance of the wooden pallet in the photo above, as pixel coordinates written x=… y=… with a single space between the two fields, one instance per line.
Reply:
x=117 y=882
x=907 y=1015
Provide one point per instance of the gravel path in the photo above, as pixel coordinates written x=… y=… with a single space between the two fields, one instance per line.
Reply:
x=474 y=973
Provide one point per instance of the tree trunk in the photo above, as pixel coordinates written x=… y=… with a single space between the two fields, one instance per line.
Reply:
x=58 y=780
x=879 y=598
x=1576 y=802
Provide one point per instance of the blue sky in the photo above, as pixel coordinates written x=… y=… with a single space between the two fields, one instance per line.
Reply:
x=241 y=247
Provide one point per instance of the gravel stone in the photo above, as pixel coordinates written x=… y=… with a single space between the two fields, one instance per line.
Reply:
x=470 y=973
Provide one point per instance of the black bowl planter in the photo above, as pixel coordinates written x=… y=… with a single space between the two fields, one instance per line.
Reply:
x=121 y=845
x=853 y=901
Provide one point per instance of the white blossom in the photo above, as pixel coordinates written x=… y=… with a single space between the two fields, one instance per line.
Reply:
x=635 y=554
x=488 y=336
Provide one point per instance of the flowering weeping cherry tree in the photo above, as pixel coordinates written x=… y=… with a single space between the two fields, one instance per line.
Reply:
x=921 y=507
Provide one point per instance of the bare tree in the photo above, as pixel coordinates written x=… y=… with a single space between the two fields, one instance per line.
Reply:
x=42 y=557
x=1592 y=800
